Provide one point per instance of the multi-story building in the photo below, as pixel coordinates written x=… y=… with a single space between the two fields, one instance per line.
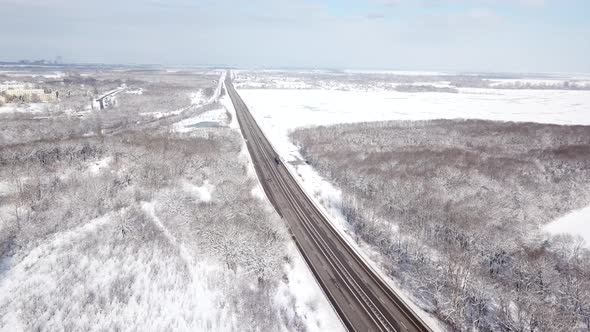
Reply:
x=10 y=85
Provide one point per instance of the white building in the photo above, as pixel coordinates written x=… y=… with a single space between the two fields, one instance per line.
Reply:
x=9 y=85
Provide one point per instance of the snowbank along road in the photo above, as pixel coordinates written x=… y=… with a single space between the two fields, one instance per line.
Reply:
x=361 y=298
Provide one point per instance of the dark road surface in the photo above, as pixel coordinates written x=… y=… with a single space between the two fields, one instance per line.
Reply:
x=361 y=298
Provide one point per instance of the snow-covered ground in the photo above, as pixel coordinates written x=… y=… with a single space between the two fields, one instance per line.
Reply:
x=97 y=166
x=279 y=111
x=576 y=222
x=113 y=92
x=213 y=118
x=226 y=102
x=202 y=193
x=310 y=304
x=135 y=91
x=398 y=72
x=199 y=98
x=24 y=108
x=289 y=109
x=224 y=116
x=159 y=115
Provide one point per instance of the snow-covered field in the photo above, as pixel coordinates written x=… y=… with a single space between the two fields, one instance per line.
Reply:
x=576 y=223
x=159 y=115
x=538 y=81
x=288 y=109
x=213 y=118
x=26 y=108
x=279 y=111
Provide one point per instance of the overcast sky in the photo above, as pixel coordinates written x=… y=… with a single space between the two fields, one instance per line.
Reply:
x=458 y=35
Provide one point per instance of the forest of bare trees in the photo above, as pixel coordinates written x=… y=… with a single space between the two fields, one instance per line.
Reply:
x=455 y=207
x=114 y=221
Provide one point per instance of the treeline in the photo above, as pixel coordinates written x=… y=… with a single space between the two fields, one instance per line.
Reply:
x=424 y=88
x=394 y=81
x=456 y=207
x=566 y=85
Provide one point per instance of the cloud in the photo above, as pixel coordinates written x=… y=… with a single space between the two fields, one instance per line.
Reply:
x=375 y=16
x=483 y=15
x=525 y=3
x=421 y=34
x=533 y=3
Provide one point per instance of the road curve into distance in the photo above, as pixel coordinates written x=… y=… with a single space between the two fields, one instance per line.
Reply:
x=361 y=298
